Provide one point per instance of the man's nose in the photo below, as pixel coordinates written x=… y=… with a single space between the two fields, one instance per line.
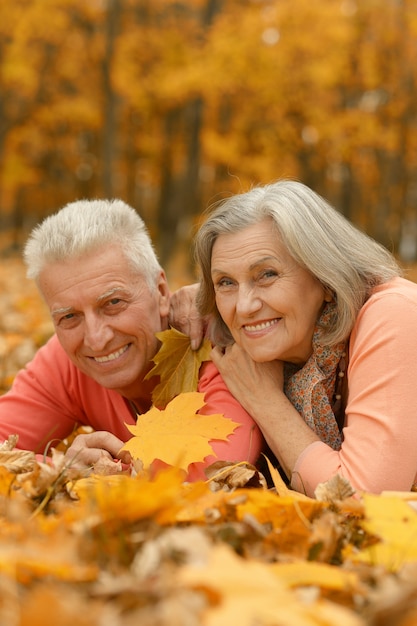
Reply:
x=97 y=332
x=248 y=300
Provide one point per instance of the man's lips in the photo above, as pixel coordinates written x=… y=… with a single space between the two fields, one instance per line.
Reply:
x=251 y=328
x=112 y=356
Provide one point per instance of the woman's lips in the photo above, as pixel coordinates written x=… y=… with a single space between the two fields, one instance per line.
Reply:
x=251 y=328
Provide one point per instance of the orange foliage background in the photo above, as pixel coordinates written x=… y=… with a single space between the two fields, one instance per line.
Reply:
x=173 y=104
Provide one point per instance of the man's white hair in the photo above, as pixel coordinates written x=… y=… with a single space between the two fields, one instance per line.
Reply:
x=85 y=226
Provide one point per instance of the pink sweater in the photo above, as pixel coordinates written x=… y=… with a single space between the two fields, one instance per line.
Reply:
x=379 y=451
x=51 y=397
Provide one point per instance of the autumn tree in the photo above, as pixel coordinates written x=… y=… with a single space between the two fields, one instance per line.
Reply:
x=173 y=104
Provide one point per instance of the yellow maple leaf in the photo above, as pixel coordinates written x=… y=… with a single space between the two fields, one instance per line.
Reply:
x=394 y=522
x=177 y=366
x=177 y=435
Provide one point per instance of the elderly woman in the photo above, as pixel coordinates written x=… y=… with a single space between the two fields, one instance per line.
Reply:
x=315 y=334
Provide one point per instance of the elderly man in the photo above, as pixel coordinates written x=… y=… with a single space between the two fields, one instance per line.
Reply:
x=97 y=271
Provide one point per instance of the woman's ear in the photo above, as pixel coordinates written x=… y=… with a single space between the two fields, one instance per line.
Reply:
x=329 y=296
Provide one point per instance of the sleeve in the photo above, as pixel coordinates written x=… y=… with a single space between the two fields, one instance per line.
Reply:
x=38 y=407
x=245 y=443
x=380 y=433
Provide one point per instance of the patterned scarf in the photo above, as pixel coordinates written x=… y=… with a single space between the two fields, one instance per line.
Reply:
x=311 y=388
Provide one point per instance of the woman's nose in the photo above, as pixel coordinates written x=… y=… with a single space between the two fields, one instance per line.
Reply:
x=248 y=301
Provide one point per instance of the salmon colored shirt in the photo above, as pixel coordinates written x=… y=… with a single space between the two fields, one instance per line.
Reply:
x=51 y=397
x=379 y=450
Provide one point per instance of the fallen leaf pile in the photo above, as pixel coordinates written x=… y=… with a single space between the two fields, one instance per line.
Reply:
x=125 y=549
x=134 y=550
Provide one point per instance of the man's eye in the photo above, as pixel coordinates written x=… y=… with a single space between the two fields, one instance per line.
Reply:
x=114 y=306
x=67 y=321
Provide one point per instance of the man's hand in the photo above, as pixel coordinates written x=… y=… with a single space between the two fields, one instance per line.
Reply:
x=183 y=315
x=98 y=447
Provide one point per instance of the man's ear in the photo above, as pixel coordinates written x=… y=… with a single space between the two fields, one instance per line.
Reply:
x=164 y=294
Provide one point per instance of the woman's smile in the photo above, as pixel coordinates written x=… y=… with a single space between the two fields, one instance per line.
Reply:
x=260 y=326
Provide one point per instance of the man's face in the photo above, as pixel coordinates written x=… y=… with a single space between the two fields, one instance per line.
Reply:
x=106 y=316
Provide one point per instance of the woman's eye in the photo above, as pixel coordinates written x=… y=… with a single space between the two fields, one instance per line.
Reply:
x=266 y=274
x=223 y=283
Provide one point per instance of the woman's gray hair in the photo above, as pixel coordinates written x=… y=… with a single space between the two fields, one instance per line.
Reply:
x=345 y=260
x=85 y=226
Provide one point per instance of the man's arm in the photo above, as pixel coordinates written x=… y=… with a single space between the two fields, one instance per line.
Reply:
x=35 y=407
x=50 y=398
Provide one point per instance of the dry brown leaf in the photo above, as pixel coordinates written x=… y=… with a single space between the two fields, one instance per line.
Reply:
x=9 y=444
x=177 y=435
x=13 y=460
x=177 y=365
x=228 y=475
x=17 y=460
x=325 y=536
x=334 y=490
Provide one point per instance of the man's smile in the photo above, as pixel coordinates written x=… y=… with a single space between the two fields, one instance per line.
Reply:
x=112 y=356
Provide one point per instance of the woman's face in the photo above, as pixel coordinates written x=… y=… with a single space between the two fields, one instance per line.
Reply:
x=269 y=303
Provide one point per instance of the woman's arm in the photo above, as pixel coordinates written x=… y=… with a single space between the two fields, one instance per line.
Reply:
x=380 y=434
x=258 y=387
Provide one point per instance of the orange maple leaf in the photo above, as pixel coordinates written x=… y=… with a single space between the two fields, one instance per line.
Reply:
x=177 y=365
x=177 y=435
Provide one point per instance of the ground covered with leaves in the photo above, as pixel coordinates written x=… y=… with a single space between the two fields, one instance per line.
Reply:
x=153 y=550
x=126 y=549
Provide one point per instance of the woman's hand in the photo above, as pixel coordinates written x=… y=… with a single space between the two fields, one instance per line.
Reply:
x=98 y=447
x=259 y=389
x=183 y=314
x=247 y=380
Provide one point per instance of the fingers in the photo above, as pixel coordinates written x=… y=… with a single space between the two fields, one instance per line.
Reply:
x=183 y=315
x=86 y=450
x=196 y=331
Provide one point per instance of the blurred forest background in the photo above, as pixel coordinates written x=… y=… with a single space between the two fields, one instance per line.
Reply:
x=172 y=105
